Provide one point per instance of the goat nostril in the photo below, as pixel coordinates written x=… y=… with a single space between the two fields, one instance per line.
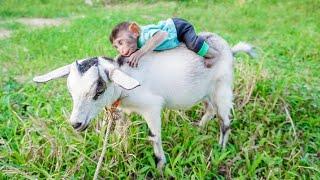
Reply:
x=76 y=125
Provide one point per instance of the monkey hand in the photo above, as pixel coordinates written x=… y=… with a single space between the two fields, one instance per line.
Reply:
x=134 y=58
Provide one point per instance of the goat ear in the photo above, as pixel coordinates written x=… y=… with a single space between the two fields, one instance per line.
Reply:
x=57 y=73
x=123 y=79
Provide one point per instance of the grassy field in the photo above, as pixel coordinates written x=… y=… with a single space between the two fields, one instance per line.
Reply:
x=276 y=117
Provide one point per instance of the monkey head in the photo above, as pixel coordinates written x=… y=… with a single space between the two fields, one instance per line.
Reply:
x=124 y=37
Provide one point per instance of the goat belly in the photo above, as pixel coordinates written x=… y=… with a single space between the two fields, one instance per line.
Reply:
x=183 y=99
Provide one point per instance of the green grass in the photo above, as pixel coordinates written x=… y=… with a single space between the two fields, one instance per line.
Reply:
x=36 y=140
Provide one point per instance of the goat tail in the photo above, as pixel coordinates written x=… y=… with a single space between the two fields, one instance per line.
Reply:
x=244 y=47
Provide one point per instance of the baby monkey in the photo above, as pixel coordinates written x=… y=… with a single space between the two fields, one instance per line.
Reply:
x=134 y=41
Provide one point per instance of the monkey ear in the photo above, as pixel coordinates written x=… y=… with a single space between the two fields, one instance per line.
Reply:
x=134 y=27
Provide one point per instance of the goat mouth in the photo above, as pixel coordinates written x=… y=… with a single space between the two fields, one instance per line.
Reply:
x=84 y=126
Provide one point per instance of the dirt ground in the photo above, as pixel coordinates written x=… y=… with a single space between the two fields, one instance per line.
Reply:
x=4 y=33
x=41 y=22
x=33 y=22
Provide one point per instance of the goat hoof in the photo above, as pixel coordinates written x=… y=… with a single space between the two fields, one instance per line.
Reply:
x=222 y=145
x=195 y=124
x=198 y=124
x=160 y=163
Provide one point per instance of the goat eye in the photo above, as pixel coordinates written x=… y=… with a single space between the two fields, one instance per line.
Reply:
x=99 y=91
x=101 y=87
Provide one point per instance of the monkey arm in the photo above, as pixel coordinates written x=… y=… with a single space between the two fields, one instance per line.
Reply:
x=150 y=45
x=153 y=42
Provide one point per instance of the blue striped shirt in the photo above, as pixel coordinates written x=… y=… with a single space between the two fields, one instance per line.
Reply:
x=149 y=30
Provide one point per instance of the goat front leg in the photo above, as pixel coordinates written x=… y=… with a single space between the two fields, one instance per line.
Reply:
x=153 y=119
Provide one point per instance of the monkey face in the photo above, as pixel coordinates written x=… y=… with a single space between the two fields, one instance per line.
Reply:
x=126 y=43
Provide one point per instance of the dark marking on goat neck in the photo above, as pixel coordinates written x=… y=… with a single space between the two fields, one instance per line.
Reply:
x=121 y=60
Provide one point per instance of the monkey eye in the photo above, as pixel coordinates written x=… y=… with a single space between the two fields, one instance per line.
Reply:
x=120 y=42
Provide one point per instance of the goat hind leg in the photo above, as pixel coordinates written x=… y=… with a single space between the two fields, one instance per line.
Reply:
x=224 y=130
x=223 y=102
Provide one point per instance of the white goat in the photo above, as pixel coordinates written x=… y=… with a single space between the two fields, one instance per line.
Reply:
x=175 y=79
